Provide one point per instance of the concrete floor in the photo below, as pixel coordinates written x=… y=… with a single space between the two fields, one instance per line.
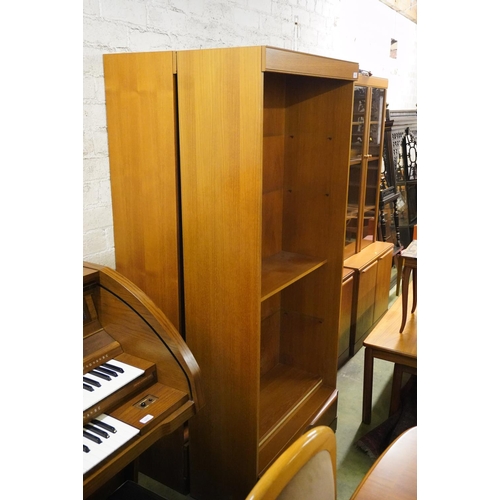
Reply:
x=352 y=463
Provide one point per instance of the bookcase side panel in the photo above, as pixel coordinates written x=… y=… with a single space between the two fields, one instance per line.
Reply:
x=142 y=138
x=220 y=125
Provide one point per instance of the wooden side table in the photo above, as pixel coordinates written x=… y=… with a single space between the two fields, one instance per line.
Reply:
x=394 y=475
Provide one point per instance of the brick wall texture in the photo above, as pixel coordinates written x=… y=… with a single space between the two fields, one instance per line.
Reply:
x=354 y=30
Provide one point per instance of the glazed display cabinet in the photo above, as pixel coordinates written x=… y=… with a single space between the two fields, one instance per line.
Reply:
x=365 y=163
x=369 y=259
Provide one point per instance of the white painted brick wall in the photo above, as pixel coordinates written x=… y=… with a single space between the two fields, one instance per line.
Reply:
x=355 y=30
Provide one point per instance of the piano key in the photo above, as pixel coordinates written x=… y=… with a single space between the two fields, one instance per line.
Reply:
x=113 y=367
x=109 y=386
x=86 y=449
x=91 y=381
x=88 y=387
x=99 y=452
x=104 y=425
x=92 y=437
x=100 y=375
x=96 y=430
x=101 y=369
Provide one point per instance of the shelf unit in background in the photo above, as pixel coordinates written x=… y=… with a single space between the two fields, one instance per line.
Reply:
x=369 y=259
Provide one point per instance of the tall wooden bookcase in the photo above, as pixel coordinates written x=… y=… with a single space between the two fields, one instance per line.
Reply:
x=263 y=142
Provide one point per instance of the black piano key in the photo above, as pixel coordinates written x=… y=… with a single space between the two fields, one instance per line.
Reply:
x=86 y=449
x=115 y=368
x=106 y=371
x=97 y=431
x=104 y=425
x=87 y=387
x=100 y=375
x=92 y=437
x=91 y=381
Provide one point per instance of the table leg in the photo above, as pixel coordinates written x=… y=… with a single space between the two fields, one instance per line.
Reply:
x=414 y=290
x=399 y=267
x=368 y=386
x=397 y=380
x=406 y=279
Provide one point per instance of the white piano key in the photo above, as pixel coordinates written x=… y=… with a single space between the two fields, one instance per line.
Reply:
x=98 y=452
x=108 y=387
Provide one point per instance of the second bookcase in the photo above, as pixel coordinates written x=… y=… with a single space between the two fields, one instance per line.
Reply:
x=264 y=157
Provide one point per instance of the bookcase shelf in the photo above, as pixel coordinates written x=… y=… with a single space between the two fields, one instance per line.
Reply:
x=283 y=269
x=282 y=390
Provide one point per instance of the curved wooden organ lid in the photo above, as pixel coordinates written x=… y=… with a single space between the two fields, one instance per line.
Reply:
x=122 y=327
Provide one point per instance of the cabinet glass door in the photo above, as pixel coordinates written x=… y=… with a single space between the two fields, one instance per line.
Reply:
x=355 y=171
x=376 y=114
x=370 y=204
x=358 y=122
x=373 y=158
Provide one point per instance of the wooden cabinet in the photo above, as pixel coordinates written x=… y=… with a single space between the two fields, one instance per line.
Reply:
x=254 y=193
x=367 y=142
x=372 y=277
x=368 y=259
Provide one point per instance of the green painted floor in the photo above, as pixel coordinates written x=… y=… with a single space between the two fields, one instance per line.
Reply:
x=352 y=463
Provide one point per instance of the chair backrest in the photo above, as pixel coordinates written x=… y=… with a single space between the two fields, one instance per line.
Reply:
x=305 y=470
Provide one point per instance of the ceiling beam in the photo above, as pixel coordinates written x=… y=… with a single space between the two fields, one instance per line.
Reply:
x=407 y=8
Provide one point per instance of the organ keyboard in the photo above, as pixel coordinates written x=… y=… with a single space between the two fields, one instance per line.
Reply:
x=102 y=437
x=140 y=380
x=105 y=379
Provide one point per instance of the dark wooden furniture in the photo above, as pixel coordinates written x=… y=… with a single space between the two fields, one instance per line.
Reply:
x=120 y=323
x=385 y=342
x=401 y=167
x=389 y=218
x=394 y=475
x=390 y=198
x=262 y=163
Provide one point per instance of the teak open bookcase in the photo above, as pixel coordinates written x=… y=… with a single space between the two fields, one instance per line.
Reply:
x=256 y=141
